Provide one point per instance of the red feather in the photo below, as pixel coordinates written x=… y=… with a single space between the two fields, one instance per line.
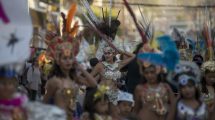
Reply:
x=142 y=34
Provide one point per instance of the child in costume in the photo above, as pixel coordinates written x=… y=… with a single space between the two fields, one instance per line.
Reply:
x=125 y=104
x=189 y=106
x=208 y=86
x=153 y=98
x=97 y=105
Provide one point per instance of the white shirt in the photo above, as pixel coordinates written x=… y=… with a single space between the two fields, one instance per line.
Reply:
x=34 y=78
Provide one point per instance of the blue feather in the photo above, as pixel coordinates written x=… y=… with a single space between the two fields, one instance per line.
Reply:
x=152 y=57
x=169 y=56
x=192 y=43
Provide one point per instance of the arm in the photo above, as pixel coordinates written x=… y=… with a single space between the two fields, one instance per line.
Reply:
x=126 y=61
x=50 y=91
x=173 y=101
x=87 y=80
x=29 y=75
x=96 y=72
x=137 y=99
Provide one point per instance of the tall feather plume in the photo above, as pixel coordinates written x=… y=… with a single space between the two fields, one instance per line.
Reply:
x=208 y=40
x=110 y=14
x=56 y=25
x=142 y=34
x=74 y=30
x=70 y=16
x=87 y=18
x=118 y=14
x=89 y=10
x=146 y=25
x=64 y=22
x=103 y=15
x=143 y=18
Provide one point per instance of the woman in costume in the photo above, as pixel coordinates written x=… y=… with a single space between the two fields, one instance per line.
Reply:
x=62 y=89
x=107 y=71
x=208 y=86
x=97 y=105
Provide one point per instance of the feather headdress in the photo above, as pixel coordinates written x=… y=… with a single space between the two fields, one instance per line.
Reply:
x=169 y=56
x=208 y=66
x=66 y=43
x=183 y=72
x=140 y=30
x=108 y=26
x=209 y=42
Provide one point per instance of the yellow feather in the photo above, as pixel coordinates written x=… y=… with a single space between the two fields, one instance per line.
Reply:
x=70 y=15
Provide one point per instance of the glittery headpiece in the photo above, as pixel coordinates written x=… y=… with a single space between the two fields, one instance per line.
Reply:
x=183 y=72
x=66 y=43
x=101 y=91
x=108 y=49
x=208 y=66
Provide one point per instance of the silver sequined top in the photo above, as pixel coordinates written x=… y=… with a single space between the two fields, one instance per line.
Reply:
x=111 y=71
x=185 y=112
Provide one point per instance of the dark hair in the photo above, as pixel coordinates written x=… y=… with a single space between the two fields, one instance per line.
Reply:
x=90 y=102
x=59 y=73
x=198 y=59
x=139 y=46
x=93 y=62
x=197 y=92
x=204 y=85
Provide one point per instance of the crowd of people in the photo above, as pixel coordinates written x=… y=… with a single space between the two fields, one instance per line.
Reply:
x=145 y=84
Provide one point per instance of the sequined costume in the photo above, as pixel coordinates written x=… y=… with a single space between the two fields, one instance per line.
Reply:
x=67 y=92
x=209 y=99
x=155 y=99
x=111 y=75
x=184 y=112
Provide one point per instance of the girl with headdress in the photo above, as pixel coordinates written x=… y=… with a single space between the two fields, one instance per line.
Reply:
x=208 y=70
x=153 y=98
x=97 y=105
x=63 y=87
x=208 y=86
x=189 y=105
